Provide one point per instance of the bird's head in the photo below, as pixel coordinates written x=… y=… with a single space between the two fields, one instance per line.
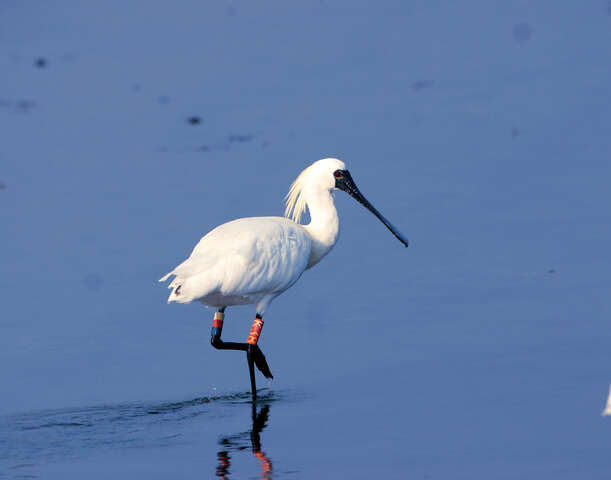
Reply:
x=321 y=174
x=331 y=173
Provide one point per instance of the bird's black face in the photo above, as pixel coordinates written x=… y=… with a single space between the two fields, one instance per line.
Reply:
x=340 y=178
x=343 y=181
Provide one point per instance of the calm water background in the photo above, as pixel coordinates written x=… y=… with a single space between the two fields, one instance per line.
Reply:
x=481 y=129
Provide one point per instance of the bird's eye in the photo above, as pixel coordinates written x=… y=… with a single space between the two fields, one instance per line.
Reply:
x=338 y=174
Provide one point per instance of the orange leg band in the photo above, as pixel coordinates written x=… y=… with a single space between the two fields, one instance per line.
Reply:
x=255 y=331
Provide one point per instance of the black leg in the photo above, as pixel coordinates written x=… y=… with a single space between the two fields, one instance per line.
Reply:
x=254 y=355
x=251 y=371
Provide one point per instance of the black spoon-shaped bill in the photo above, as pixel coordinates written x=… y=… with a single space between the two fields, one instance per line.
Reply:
x=343 y=181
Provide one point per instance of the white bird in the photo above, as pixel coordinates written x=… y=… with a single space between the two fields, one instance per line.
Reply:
x=253 y=260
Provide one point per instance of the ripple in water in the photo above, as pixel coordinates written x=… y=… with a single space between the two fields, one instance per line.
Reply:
x=41 y=437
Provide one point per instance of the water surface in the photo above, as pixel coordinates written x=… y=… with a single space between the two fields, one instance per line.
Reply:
x=479 y=129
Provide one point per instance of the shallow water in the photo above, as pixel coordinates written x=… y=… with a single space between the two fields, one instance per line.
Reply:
x=36 y=442
x=479 y=129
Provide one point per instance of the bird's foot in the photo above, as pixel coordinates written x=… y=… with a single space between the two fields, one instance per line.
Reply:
x=260 y=362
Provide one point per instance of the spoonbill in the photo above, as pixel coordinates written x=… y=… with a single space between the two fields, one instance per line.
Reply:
x=253 y=260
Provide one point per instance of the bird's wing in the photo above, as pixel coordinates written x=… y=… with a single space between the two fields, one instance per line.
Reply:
x=260 y=255
x=245 y=257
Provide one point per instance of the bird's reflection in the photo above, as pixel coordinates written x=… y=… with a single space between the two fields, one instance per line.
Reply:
x=239 y=442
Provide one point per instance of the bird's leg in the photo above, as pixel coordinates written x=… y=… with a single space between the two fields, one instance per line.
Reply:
x=251 y=372
x=254 y=355
x=217 y=326
x=253 y=348
x=217 y=329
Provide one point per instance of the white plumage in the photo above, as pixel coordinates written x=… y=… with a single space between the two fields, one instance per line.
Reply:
x=250 y=260
x=253 y=260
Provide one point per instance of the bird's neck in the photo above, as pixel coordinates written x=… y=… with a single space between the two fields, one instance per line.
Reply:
x=324 y=223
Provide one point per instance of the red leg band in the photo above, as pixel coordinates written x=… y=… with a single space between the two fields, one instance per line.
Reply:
x=255 y=331
x=217 y=324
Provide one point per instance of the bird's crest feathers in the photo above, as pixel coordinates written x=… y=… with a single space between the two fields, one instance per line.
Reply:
x=295 y=201
x=319 y=174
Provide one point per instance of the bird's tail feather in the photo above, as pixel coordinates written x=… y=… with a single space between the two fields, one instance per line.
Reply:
x=165 y=277
x=175 y=286
x=177 y=295
x=192 y=280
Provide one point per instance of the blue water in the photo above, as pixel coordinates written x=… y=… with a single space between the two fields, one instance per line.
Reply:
x=480 y=129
